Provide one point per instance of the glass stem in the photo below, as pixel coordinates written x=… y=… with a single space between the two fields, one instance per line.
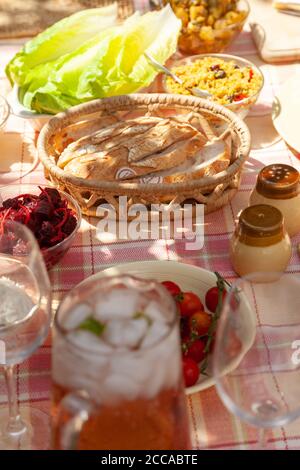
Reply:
x=15 y=425
x=262 y=438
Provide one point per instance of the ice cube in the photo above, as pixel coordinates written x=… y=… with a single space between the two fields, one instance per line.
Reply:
x=77 y=316
x=156 y=380
x=133 y=364
x=174 y=371
x=126 y=333
x=117 y=386
x=113 y=333
x=89 y=342
x=164 y=364
x=170 y=352
x=154 y=311
x=82 y=362
x=119 y=304
x=156 y=331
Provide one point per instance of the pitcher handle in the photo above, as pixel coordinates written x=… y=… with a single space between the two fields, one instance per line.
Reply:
x=78 y=407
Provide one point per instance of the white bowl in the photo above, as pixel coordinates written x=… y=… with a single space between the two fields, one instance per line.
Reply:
x=36 y=120
x=189 y=278
x=4 y=111
x=242 y=107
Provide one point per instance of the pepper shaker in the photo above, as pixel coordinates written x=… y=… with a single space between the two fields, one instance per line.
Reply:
x=278 y=185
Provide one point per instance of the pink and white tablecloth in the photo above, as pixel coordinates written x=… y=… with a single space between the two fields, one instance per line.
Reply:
x=212 y=425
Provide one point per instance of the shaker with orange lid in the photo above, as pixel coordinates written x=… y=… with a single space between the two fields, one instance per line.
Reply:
x=278 y=185
x=260 y=242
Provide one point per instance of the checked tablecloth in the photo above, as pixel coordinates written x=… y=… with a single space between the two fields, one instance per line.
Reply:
x=212 y=425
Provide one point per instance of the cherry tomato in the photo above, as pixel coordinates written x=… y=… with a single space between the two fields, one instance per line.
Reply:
x=212 y=298
x=200 y=322
x=184 y=328
x=195 y=350
x=191 y=371
x=189 y=303
x=178 y=307
x=173 y=288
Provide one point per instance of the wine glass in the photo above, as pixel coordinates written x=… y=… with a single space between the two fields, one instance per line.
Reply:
x=259 y=382
x=24 y=324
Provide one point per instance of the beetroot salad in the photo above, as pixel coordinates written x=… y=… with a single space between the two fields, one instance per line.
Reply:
x=47 y=215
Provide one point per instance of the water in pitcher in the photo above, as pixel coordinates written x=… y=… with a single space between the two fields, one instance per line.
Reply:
x=121 y=346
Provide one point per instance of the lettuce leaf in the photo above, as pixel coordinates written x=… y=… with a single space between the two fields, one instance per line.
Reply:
x=61 y=38
x=109 y=63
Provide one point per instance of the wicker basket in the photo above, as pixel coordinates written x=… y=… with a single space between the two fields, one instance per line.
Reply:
x=217 y=123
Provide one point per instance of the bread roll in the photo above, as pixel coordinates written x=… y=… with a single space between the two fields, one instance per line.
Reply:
x=74 y=132
x=115 y=166
x=213 y=158
x=106 y=137
x=132 y=149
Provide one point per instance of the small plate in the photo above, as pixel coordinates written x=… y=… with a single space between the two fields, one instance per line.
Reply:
x=286 y=112
x=189 y=278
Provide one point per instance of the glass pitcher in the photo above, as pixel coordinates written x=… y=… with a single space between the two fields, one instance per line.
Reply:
x=117 y=374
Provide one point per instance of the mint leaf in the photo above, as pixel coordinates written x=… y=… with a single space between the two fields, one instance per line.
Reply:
x=138 y=315
x=92 y=325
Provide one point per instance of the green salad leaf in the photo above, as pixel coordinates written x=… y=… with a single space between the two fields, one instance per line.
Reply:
x=109 y=63
x=59 y=39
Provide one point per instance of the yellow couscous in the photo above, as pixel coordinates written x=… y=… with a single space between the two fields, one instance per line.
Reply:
x=225 y=80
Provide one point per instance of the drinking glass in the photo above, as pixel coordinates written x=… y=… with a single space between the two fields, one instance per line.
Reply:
x=24 y=323
x=116 y=364
x=259 y=383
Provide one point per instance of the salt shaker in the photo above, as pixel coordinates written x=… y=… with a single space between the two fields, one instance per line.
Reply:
x=260 y=242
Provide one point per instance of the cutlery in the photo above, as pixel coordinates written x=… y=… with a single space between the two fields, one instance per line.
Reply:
x=195 y=91
x=290 y=12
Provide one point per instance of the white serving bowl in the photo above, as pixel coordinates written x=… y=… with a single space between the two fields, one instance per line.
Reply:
x=36 y=120
x=241 y=107
x=189 y=278
x=4 y=111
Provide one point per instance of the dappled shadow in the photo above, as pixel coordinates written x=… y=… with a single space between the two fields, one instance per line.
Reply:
x=18 y=156
x=19 y=18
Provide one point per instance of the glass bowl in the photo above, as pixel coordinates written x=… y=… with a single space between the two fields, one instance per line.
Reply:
x=239 y=107
x=198 y=38
x=4 y=111
x=53 y=254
